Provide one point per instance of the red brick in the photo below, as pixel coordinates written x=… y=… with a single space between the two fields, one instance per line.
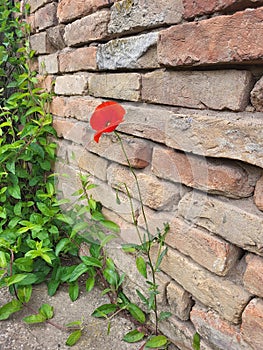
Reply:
x=45 y=82
x=79 y=59
x=46 y=16
x=217 y=331
x=93 y=27
x=252 y=325
x=203 y=7
x=67 y=11
x=253 y=277
x=215 y=89
x=223 y=39
x=258 y=195
x=210 y=251
x=207 y=174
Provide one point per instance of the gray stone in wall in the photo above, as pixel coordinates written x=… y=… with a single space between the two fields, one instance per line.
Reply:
x=125 y=53
x=133 y=15
x=257 y=96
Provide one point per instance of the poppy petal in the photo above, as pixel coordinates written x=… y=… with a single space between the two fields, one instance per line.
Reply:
x=110 y=128
x=107 y=113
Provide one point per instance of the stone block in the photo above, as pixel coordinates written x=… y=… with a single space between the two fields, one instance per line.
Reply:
x=36 y=4
x=215 y=89
x=132 y=52
x=40 y=44
x=93 y=27
x=131 y=16
x=257 y=96
x=189 y=44
x=55 y=36
x=239 y=223
x=123 y=86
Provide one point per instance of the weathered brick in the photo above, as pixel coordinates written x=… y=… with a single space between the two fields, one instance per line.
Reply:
x=93 y=27
x=78 y=107
x=179 y=301
x=220 y=333
x=79 y=59
x=48 y=64
x=45 y=82
x=31 y=22
x=212 y=252
x=75 y=84
x=257 y=96
x=189 y=44
x=132 y=52
x=46 y=16
x=239 y=223
x=155 y=194
x=181 y=333
x=138 y=151
x=253 y=277
x=36 y=4
x=224 y=296
x=258 y=195
x=123 y=86
x=56 y=36
x=40 y=43
x=203 y=7
x=252 y=323
x=217 y=89
x=72 y=130
x=67 y=12
x=213 y=176
x=132 y=16
x=223 y=135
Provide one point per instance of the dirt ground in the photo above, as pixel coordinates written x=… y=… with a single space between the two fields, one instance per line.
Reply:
x=17 y=335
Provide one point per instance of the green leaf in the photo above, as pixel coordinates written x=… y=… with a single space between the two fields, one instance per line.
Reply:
x=24 y=264
x=136 y=312
x=104 y=310
x=38 y=318
x=164 y=315
x=10 y=308
x=112 y=277
x=61 y=245
x=78 y=271
x=95 y=250
x=133 y=336
x=90 y=261
x=14 y=191
x=129 y=248
x=90 y=282
x=64 y=218
x=52 y=287
x=142 y=297
x=74 y=337
x=47 y=311
x=156 y=342
x=196 y=341
x=24 y=293
x=110 y=225
x=15 y=279
x=73 y=291
x=3 y=262
x=107 y=239
x=141 y=266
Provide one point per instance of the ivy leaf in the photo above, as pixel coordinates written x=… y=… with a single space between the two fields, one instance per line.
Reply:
x=24 y=293
x=74 y=337
x=3 y=262
x=90 y=282
x=78 y=271
x=156 y=342
x=141 y=266
x=136 y=312
x=14 y=191
x=38 y=318
x=91 y=261
x=10 y=308
x=15 y=279
x=133 y=336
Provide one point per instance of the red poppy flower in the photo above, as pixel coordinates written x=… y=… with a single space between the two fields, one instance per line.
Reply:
x=106 y=117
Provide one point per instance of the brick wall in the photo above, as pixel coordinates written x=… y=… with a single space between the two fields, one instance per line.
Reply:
x=190 y=76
